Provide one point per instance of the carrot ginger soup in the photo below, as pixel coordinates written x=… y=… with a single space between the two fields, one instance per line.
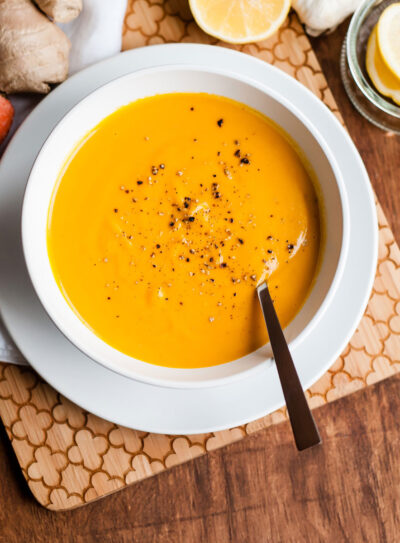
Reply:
x=166 y=217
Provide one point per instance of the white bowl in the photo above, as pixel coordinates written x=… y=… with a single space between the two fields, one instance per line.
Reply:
x=102 y=102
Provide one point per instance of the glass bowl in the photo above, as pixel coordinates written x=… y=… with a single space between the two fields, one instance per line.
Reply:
x=381 y=111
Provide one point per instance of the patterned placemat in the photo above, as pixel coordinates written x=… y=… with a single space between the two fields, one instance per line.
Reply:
x=70 y=457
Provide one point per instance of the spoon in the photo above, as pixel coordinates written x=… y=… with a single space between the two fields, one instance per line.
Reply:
x=304 y=428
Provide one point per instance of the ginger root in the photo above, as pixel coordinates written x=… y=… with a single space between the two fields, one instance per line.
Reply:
x=33 y=50
x=61 y=11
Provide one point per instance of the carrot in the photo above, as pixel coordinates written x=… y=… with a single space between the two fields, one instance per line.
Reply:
x=6 y=116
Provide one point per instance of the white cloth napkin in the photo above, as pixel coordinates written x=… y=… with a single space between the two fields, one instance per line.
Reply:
x=94 y=35
x=8 y=351
x=320 y=16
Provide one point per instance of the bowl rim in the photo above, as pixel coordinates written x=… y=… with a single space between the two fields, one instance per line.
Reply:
x=204 y=382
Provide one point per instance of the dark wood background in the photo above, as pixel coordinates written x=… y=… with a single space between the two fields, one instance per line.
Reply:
x=260 y=489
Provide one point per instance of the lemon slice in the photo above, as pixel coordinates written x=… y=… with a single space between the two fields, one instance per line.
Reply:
x=240 y=21
x=382 y=78
x=389 y=37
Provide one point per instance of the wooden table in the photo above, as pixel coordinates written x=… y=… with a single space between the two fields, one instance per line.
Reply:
x=259 y=489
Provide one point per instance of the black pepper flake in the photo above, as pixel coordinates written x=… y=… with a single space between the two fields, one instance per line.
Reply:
x=115 y=210
x=244 y=160
x=158 y=245
x=223 y=265
x=191 y=219
x=290 y=247
x=231 y=220
x=139 y=182
x=192 y=109
x=108 y=297
x=186 y=205
x=220 y=122
x=171 y=223
x=269 y=251
x=162 y=166
x=240 y=241
x=188 y=260
x=237 y=153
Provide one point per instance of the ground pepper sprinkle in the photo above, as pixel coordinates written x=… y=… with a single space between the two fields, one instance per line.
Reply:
x=212 y=258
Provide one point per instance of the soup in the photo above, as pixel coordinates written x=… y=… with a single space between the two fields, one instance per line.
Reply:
x=168 y=214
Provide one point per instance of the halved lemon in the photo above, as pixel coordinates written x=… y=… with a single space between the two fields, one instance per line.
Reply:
x=240 y=21
x=389 y=37
x=382 y=78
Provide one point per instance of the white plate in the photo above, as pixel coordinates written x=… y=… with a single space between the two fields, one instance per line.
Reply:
x=161 y=409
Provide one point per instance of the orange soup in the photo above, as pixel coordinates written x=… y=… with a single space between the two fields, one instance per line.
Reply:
x=166 y=217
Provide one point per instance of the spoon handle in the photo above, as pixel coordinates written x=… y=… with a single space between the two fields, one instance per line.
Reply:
x=303 y=425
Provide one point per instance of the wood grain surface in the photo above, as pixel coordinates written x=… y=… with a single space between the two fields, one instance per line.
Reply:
x=259 y=489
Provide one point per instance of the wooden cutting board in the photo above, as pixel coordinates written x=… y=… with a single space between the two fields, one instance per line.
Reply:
x=70 y=457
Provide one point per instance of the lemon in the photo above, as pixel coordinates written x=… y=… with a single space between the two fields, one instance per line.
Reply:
x=240 y=21
x=389 y=37
x=383 y=79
